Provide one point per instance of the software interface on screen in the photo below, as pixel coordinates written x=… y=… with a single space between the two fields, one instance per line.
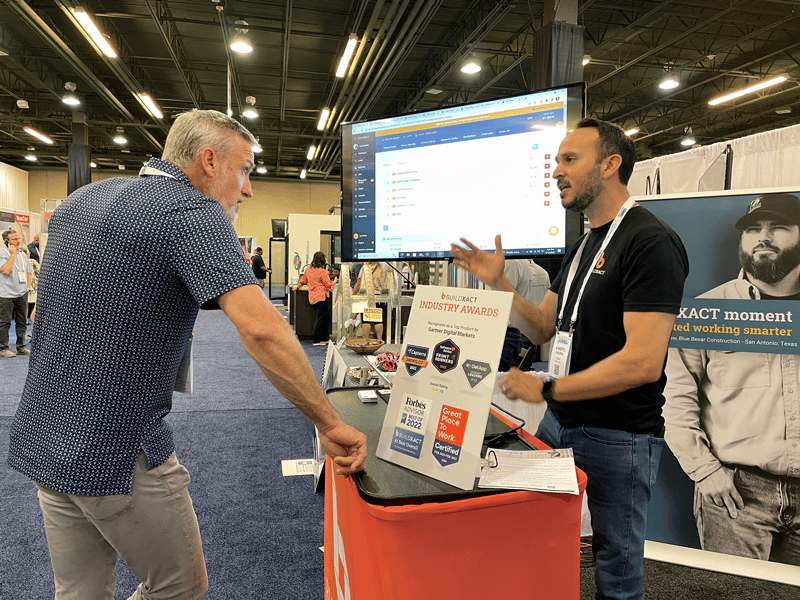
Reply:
x=473 y=171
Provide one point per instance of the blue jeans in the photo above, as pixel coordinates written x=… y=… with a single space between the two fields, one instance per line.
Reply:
x=620 y=468
x=767 y=528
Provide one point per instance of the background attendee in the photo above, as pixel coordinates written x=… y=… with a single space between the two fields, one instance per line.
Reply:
x=260 y=270
x=33 y=248
x=90 y=428
x=606 y=404
x=372 y=275
x=733 y=418
x=15 y=281
x=531 y=282
x=319 y=289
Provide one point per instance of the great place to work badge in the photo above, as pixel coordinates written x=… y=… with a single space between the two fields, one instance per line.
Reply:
x=441 y=396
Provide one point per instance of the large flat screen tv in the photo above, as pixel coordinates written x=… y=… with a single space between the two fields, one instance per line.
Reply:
x=414 y=183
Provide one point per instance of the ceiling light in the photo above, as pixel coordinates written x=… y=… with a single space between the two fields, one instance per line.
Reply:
x=3 y=52
x=688 y=139
x=70 y=98
x=91 y=31
x=748 y=90
x=303 y=174
x=433 y=91
x=784 y=111
x=30 y=157
x=240 y=43
x=121 y=167
x=632 y=131
x=119 y=138
x=586 y=60
x=250 y=111
x=348 y=54
x=22 y=103
x=323 y=118
x=670 y=82
x=151 y=106
x=261 y=169
x=257 y=148
x=311 y=152
x=38 y=135
x=471 y=67
x=93 y=164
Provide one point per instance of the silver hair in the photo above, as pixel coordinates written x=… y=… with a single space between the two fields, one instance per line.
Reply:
x=198 y=129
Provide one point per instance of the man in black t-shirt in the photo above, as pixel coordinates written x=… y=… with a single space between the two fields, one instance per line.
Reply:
x=259 y=269
x=733 y=418
x=606 y=402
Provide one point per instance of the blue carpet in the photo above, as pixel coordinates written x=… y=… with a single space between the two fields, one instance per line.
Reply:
x=261 y=531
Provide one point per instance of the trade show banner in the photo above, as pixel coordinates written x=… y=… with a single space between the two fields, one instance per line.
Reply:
x=441 y=395
x=732 y=408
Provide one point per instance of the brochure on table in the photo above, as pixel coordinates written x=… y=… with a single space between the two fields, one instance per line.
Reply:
x=442 y=390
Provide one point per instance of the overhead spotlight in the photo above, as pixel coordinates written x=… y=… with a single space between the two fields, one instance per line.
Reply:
x=119 y=138
x=250 y=111
x=70 y=98
x=688 y=138
x=91 y=31
x=261 y=168
x=303 y=174
x=471 y=67
x=311 y=152
x=323 y=118
x=433 y=91
x=30 y=157
x=348 y=54
x=748 y=90
x=670 y=82
x=257 y=149
x=240 y=43
x=93 y=164
x=784 y=111
x=121 y=167
x=38 y=135
x=151 y=105
x=22 y=104
x=632 y=131
x=586 y=60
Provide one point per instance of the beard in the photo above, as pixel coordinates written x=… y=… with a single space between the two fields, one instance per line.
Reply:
x=231 y=210
x=591 y=191
x=770 y=270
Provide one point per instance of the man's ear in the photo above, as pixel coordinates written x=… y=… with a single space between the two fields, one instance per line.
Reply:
x=209 y=162
x=611 y=165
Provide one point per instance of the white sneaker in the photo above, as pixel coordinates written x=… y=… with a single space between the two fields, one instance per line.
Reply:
x=7 y=353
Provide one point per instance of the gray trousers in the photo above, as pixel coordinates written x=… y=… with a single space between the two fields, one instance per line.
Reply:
x=13 y=309
x=154 y=529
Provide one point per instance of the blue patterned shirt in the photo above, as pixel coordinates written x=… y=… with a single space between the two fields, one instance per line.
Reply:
x=107 y=344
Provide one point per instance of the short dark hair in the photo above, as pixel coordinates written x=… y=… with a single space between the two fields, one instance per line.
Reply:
x=259 y=249
x=613 y=141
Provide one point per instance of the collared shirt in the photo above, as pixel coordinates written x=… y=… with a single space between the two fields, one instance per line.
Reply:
x=12 y=285
x=740 y=408
x=529 y=279
x=106 y=349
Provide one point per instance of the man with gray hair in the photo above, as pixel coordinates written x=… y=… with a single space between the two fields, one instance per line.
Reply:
x=733 y=418
x=90 y=429
x=15 y=281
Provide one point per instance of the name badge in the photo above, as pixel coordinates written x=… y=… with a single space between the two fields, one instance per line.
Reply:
x=22 y=277
x=560 y=355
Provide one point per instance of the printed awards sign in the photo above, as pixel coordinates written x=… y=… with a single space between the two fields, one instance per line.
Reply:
x=442 y=390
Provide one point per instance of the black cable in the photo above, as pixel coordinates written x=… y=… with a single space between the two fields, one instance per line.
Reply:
x=490 y=439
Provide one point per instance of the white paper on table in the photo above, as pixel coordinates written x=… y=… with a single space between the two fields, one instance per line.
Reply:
x=540 y=470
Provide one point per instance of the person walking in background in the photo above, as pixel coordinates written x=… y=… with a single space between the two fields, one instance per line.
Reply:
x=733 y=418
x=33 y=249
x=319 y=289
x=15 y=281
x=376 y=274
x=259 y=268
x=91 y=429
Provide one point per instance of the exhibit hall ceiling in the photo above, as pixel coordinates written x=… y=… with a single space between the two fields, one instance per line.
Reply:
x=407 y=57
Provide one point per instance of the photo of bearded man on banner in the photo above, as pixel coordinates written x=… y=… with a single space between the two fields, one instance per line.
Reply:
x=733 y=418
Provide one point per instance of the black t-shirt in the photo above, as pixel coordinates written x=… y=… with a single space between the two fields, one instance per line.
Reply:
x=258 y=262
x=642 y=270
